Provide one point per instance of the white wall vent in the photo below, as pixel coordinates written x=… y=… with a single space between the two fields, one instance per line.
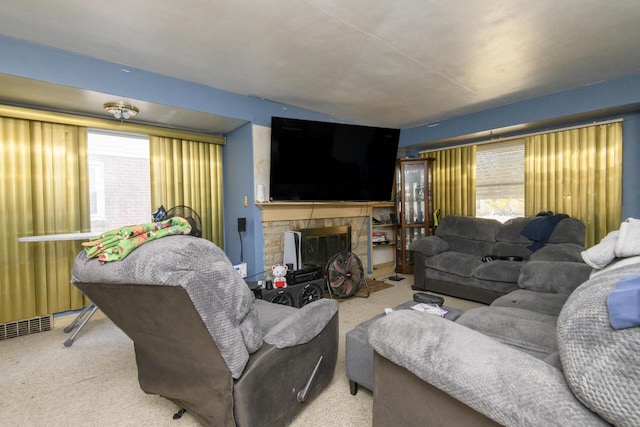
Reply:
x=25 y=327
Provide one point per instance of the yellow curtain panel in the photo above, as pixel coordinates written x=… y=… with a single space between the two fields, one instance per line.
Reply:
x=577 y=172
x=454 y=180
x=45 y=191
x=189 y=173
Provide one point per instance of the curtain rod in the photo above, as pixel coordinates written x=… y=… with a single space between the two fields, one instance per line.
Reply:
x=89 y=122
x=524 y=135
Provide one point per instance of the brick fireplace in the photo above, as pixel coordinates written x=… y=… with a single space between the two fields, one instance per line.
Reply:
x=349 y=219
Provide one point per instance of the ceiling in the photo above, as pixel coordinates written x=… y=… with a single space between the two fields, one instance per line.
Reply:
x=392 y=63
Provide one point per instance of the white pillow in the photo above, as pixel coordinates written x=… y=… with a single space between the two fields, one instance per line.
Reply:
x=628 y=243
x=600 y=255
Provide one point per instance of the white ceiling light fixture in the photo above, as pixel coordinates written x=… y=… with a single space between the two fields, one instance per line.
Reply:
x=121 y=111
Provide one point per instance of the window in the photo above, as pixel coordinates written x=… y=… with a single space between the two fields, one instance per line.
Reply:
x=500 y=180
x=119 y=179
x=96 y=189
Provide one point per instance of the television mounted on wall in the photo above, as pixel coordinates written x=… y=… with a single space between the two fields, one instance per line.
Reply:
x=323 y=161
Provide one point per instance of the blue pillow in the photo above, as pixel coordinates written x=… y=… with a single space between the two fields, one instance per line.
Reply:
x=624 y=303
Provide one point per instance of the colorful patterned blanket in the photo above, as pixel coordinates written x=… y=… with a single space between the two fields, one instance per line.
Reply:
x=116 y=244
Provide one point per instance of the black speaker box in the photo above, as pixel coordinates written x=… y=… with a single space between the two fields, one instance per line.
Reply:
x=297 y=295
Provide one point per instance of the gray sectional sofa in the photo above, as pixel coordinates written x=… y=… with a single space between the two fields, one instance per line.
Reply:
x=544 y=354
x=451 y=261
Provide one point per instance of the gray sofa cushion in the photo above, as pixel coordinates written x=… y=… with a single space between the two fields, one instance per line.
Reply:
x=555 y=277
x=558 y=252
x=469 y=235
x=302 y=325
x=499 y=271
x=468 y=266
x=472 y=282
x=569 y=230
x=429 y=245
x=600 y=363
x=511 y=249
x=511 y=230
x=531 y=332
x=270 y=314
x=503 y=383
x=456 y=263
x=540 y=302
x=478 y=248
x=471 y=228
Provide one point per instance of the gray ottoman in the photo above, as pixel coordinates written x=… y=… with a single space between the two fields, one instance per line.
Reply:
x=359 y=354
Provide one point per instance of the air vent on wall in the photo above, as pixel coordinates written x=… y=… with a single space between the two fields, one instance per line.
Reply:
x=25 y=327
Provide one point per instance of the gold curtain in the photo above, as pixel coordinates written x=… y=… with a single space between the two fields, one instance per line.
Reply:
x=577 y=172
x=189 y=173
x=44 y=191
x=454 y=180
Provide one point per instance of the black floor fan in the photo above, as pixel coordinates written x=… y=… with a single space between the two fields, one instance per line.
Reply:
x=344 y=275
x=182 y=211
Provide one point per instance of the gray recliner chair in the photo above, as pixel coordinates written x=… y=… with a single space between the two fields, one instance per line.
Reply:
x=203 y=341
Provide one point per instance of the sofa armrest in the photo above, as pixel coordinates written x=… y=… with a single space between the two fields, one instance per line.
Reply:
x=556 y=277
x=429 y=245
x=302 y=325
x=499 y=381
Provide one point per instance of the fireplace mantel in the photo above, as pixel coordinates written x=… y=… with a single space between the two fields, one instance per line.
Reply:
x=279 y=217
x=285 y=211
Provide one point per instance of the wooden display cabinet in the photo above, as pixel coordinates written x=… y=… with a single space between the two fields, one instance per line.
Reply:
x=414 y=204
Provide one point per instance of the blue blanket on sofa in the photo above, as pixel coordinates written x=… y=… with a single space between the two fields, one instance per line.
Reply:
x=624 y=303
x=540 y=229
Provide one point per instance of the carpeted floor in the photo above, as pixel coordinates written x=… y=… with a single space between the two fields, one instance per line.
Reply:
x=94 y=382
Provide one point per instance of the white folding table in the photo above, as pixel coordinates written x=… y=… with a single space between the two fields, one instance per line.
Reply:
x=89 y=310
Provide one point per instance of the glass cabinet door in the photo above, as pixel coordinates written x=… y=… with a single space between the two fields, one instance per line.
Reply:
x=414 y=205
x=410 y=234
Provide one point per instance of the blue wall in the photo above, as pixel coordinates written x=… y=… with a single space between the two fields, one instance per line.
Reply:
x=238 y=156
x=587 y=99
x=33 y=61
x=631 y=166
x=38 y=62
x=602 y=101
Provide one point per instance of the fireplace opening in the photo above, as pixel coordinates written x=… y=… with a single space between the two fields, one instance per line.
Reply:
x=320 y=244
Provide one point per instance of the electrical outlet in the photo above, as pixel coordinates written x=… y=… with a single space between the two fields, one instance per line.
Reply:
x=242 y=224
x=242 y=269
x=246 y=201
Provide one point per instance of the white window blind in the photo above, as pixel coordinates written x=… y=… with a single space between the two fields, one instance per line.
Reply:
x=500 y=180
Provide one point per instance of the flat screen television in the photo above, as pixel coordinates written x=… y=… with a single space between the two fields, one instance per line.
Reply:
x=322 y=161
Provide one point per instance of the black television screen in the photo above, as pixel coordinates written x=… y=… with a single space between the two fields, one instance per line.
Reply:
x=324 y=161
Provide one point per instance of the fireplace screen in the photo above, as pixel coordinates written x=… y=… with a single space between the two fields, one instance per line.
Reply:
x=320 y=244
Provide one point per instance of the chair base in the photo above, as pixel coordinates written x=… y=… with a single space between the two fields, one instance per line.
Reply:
x=275 y=402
